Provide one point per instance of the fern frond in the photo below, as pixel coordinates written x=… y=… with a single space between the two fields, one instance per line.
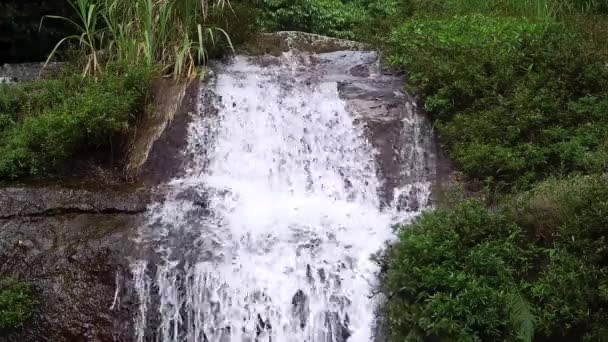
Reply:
x=522 y=316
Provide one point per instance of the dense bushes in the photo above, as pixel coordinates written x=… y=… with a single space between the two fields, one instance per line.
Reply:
x=513 y=100
x=328 y=17
x=518 y=92
x=44 y=123
x=452 y=274
x=16 y=304
x=469 y=273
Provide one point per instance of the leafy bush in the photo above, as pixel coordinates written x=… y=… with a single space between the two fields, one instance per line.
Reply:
x=327 y=17
x=513 y=100
x=49 y=121
x=451 y=273
x=16 y=304
x=539 y=264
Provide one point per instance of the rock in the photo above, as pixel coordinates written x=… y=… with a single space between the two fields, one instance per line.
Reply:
x=69 y=244
x=155 y=151
x=52 y=201
x=25 y=72
x=279 y=42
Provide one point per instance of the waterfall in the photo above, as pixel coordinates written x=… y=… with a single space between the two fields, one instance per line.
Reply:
x=270 y=232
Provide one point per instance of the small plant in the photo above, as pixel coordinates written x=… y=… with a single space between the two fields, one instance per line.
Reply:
x=522 y=317
x=90 y=37
x=173 y=34
x=16 y=304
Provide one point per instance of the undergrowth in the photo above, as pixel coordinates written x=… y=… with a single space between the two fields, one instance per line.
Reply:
x=16 y=304
x=177 y=35
x=43 y=124
x=537 y=268
x=514 y=100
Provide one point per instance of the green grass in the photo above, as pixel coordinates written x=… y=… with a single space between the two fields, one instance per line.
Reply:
x=175 y=34
x=16 y=304
x=44 y=124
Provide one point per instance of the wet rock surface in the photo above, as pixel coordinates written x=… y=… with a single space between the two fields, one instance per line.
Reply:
x=284 y=41
x=47 y=202
x=70 y=237
x=25 y=72
x=406 y=150
x=68 y=244
x=155 y=150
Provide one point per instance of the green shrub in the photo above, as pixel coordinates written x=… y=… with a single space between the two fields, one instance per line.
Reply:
x=16 y=304
x=537 y=267
x=326 y=17
x=50 y=121
x=450 y=274
x=513 y=100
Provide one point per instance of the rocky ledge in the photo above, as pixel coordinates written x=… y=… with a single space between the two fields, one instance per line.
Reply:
x=68 y=244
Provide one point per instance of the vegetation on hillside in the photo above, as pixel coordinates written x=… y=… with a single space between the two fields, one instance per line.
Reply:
x=43 y=124
x=518 y=92
x=470 y=273
x=514 y=100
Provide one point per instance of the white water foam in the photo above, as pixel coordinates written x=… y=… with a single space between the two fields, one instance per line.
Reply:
x=270 y=234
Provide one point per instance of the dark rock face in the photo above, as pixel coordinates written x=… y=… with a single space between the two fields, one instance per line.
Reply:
x=18 y=203
x=70 y=238
x=24 y=72
x=69 y=244
x=20 y=39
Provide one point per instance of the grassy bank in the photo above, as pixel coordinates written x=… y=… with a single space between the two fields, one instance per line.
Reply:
x=534 y=269
x=44 y=124
x=118 y=48
x=518 y=93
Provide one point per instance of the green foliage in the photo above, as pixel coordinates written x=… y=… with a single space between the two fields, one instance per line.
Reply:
x=47 y=122
x=450 y=275
x=522 y=317
x=513 y=100
x=88 y=13
x=518 y=92
x=174 y=34
x=543 y=9
x=327 y=17
x=536 y=268
x=16 y=304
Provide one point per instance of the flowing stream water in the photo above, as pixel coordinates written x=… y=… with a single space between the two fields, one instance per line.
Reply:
x=269 y=234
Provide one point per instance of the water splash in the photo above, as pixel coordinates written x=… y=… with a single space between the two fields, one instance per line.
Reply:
x=268 y=236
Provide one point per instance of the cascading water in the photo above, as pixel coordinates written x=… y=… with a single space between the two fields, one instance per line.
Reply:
x=269 y=234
